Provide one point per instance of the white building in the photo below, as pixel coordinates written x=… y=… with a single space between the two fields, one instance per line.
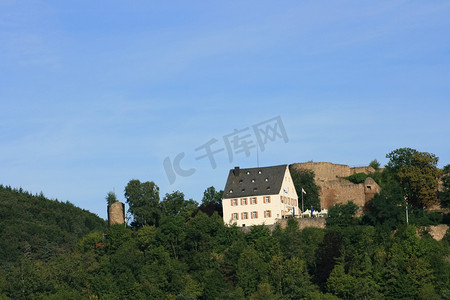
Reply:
x=258 y=196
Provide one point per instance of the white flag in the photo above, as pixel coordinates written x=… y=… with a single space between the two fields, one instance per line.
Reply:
x=303 y=191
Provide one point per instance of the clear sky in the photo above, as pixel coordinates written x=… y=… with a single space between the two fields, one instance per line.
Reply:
x=96 y=93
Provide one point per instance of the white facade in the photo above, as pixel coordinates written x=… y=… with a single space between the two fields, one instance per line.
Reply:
x=248 y=209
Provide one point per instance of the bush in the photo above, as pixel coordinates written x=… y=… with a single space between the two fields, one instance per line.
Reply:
x=357 y=177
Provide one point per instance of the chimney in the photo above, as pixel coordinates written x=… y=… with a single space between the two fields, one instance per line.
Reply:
x=236 y=171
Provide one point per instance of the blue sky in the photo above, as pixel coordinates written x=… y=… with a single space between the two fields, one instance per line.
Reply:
x=96 y=93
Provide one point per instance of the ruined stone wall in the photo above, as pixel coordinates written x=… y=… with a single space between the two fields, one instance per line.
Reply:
x=370 y=188
x=341 y=191
x=325 y=171
x=365 y=170
x=334 y=189
x=305 y=222
x=302 y=223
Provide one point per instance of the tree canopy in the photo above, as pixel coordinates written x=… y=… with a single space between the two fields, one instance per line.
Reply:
x=445 y=193
x=111 y=198
x=174 y=204
x=210 y=195
x=35 y=227
x=417 y=173
x=196 y=256
x=143 y=202
x=304 y=179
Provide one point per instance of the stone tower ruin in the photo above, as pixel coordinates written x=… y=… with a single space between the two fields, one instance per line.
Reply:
x=116 y=213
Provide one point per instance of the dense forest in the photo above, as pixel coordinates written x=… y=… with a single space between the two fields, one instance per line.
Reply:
x=38 y=228
x=175 y=249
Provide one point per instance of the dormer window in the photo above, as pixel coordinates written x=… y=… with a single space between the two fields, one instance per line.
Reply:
x=255 y=189
x=268 y=188
x=240 y=181
x=259 y=172
x=248 y=172
x=253 y=180
x=267 y=179
x=243 y=190
x=231 y=191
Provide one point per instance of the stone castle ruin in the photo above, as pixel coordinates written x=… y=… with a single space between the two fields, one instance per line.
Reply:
x=335 y=189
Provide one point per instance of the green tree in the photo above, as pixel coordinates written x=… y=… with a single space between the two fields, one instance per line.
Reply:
x=252 y=270
x=342 y=215
x=417 y=174
x=304 y=179
x=445 y=194
x=357 y=177
x=290 y=240
x=210 y=195
x=264 y=292
x=174 y=204
x=375 y=164
x=171 y=233
x=386 y=209
x=327 y=255
x=143 y=201
x=310 y=239
x=111 y=198
x=212 y=201
x=290 y=277
x=201 y=232
x=341 y=284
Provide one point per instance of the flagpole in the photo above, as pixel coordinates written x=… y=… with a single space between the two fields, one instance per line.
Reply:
x=407 y=221
x=303 y=209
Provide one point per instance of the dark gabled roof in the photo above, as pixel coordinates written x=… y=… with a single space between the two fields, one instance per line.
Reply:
x=254 y=181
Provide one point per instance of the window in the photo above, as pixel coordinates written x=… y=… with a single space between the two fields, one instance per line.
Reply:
x=231 y=191
x=267 y=214
x=267 y=199
x=253 y=180
x=234 y=216
x=267 y=179
x=234 y=202
x=254 y=215
x=281 y=199
x=244 y=201
x=248 y=172
x=253 y=201
x=244 y=216
x=259 y=172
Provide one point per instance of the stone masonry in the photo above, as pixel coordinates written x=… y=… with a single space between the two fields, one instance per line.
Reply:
x=335 y=189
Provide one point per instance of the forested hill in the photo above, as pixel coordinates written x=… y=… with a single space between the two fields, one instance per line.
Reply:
x=35 y=227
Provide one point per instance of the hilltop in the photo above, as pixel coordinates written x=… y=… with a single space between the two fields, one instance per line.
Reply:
x=34 y=227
